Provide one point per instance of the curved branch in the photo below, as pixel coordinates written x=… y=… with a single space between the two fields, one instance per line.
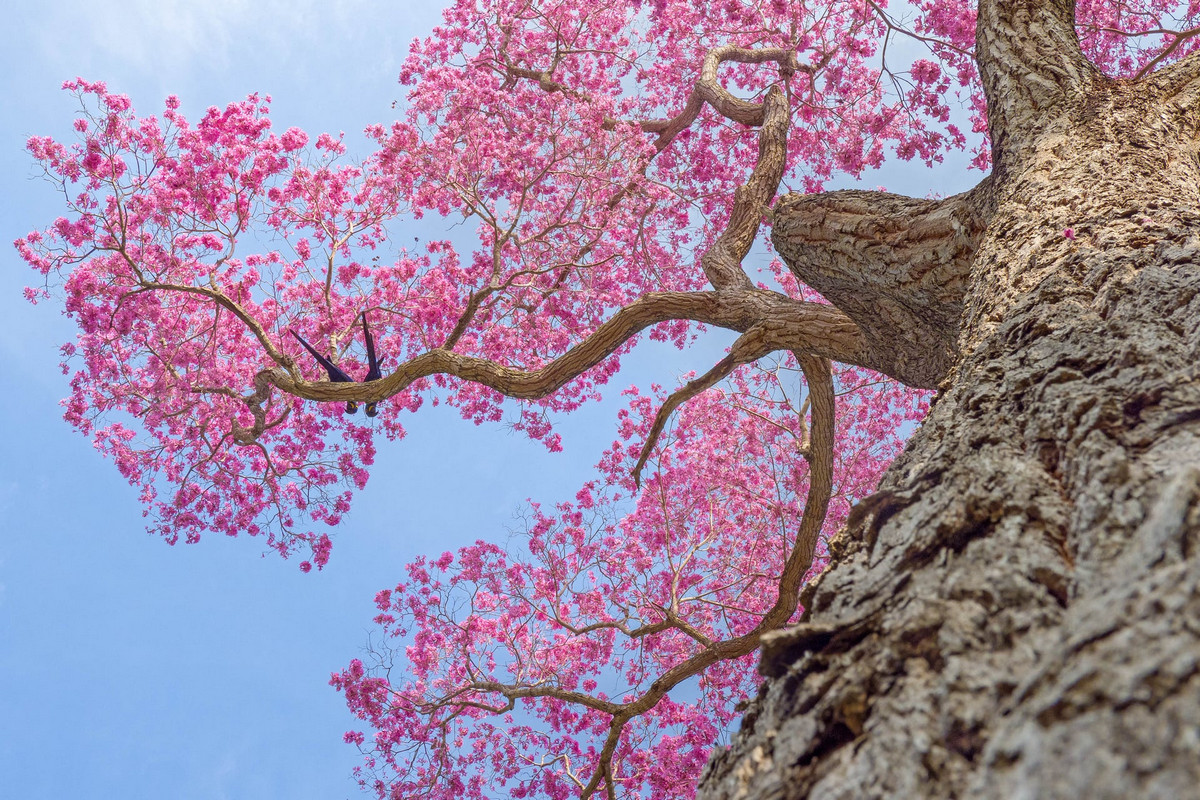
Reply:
x=819 y=454
x=722 y=262
x=724 y=102
x=818 y=374
x=748 y=347
x=256 y=401
x=226 y=302
x=707 y=90
x=785 y=324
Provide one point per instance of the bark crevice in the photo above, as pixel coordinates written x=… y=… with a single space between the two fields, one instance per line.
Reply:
x=898 y=266
x=1032 y=70
x=1017 y=603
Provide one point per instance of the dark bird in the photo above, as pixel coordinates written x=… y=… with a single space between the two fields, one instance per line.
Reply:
x=336 y=373
x=373 y=373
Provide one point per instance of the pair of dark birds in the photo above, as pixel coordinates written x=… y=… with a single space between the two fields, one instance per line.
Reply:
x=338 y=375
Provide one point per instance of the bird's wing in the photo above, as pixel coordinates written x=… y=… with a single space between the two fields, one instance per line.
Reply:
x=336 y=373
x=373 y=373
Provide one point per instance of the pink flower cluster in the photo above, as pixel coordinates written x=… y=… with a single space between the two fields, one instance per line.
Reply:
x=189 y=250
x=510 y=653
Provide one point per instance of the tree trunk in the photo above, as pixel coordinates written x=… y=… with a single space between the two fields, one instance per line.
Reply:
x=1016 y=612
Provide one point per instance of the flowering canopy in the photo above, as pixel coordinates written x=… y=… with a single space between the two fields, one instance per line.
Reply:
x=617 y=176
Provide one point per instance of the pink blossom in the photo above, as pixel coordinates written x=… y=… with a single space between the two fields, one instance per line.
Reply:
x=189 y=249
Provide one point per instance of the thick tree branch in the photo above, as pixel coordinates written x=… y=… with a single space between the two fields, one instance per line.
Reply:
x=784 y=323
x=898 y=266
x=1179 y=84
x=819 y=455
x=722 y=262
x=1032 y=70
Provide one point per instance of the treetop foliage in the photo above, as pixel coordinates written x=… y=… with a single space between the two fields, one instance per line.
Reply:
x=613 y=162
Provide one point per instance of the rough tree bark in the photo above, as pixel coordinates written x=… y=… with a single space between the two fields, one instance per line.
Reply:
x=1016 y=612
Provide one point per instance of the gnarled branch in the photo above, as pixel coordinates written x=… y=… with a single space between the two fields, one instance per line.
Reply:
x=818 y=374
x=707 y=90
x=784 y=323
x=898 y=266
x=722 y=262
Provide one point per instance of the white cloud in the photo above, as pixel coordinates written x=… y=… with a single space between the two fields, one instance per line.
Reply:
x=178 y=36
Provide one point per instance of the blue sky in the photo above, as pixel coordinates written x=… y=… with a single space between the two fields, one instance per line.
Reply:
x=136 y=670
